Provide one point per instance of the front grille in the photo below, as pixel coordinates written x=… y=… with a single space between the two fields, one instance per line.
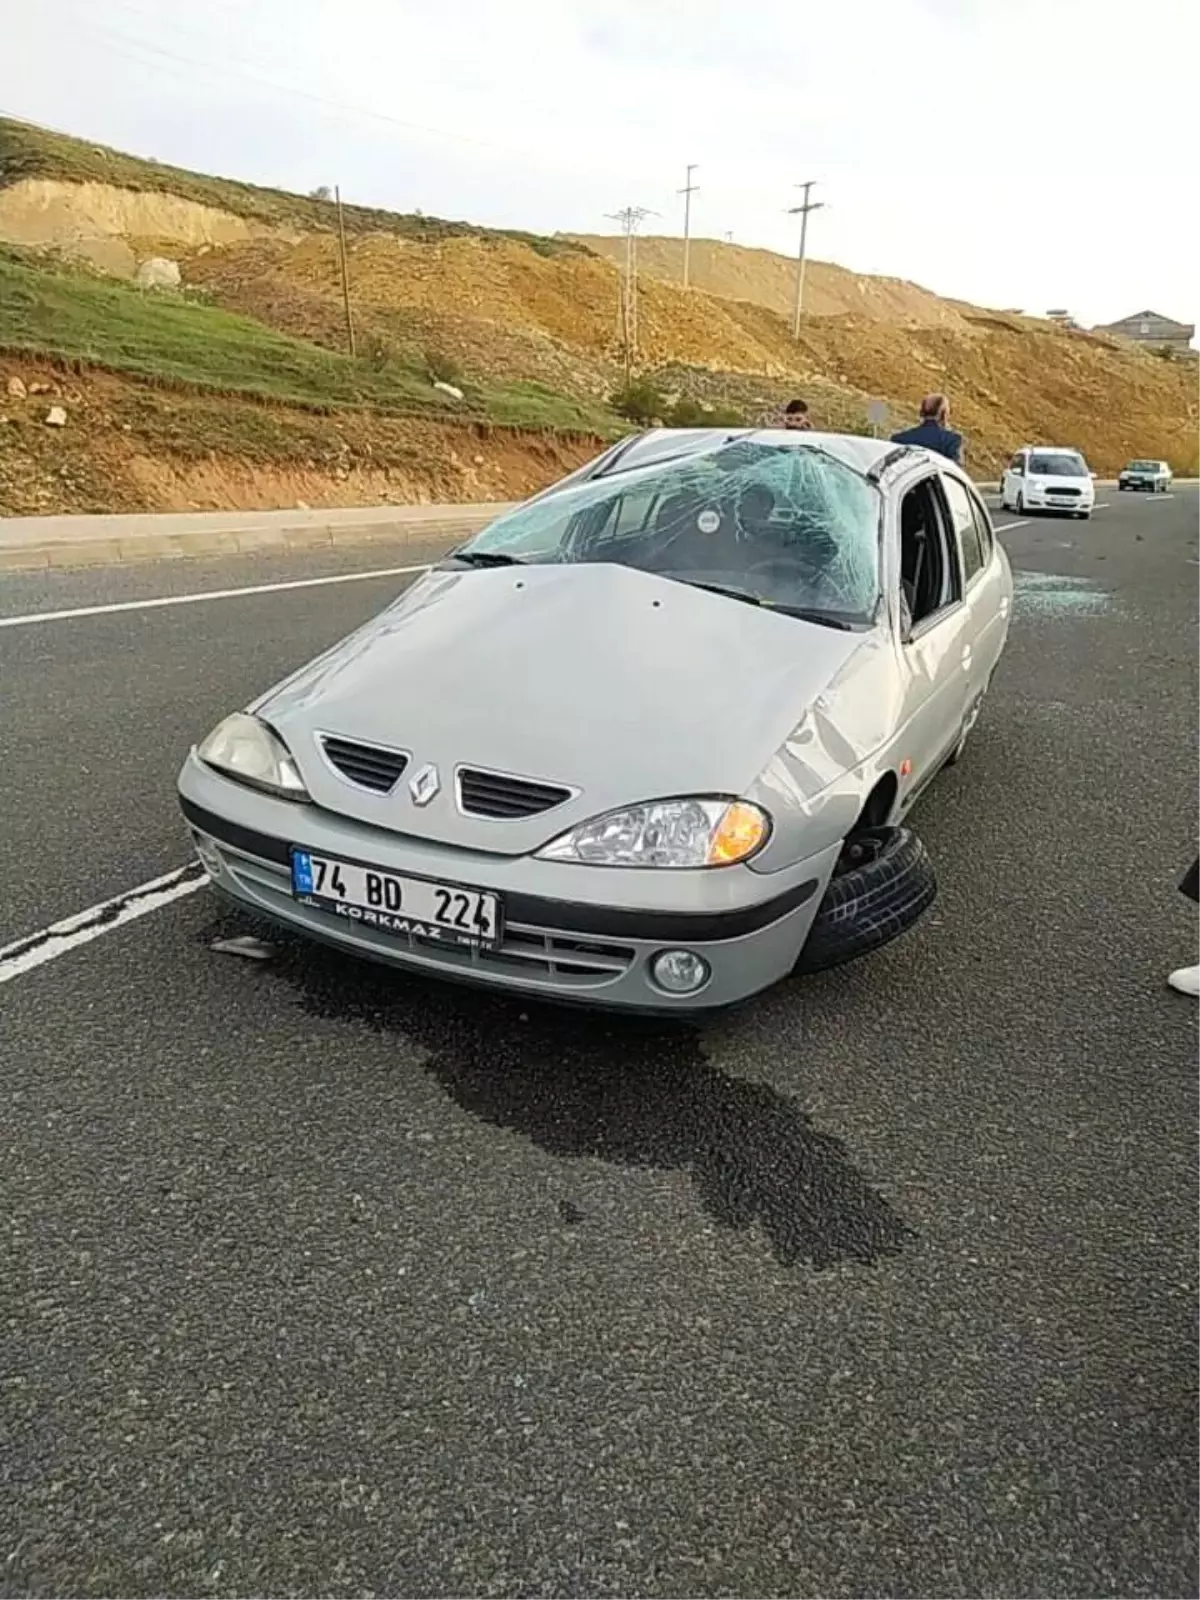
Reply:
x=1068 y=493
x=526 y=953
x=495 y=794
x=368 y=766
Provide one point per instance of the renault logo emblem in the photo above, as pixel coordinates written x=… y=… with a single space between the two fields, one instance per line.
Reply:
x=424 y=784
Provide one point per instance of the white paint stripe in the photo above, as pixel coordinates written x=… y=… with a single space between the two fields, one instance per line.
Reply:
x=1003 y=527
x=206 y=594
x=36 y=948
x=1101 y=505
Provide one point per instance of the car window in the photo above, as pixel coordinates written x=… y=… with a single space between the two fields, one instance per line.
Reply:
x=794 y=528
x=635 y=510
x=1018 y=462
x=1057 y=464
x=983 y=527
x=930 y=573
x=962 y=517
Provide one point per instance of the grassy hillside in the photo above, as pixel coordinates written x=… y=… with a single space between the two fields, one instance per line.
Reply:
x=525 y=326
x=49 y=308
x=31 y=152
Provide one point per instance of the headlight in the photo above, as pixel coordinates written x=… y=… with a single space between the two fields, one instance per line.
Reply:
x=246 y=749
x=667 y=833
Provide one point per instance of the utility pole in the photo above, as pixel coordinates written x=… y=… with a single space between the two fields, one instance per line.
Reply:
x=337 y=194
x=802 y=211
x=630 y=218
x=688 y=190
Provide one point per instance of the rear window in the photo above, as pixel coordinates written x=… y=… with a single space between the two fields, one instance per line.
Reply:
x=1057 y=465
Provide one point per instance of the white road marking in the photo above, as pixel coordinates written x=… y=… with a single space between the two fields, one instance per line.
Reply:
x=36 y=948
x=205 y=594
x=1003 y=527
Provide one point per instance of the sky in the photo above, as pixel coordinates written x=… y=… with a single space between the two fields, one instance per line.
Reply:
x=1016 y=154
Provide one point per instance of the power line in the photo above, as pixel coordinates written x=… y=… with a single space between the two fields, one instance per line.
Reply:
x=688 y=190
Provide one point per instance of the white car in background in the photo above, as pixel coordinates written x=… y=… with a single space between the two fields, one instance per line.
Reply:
x=1048 y=478
x=1152 y=475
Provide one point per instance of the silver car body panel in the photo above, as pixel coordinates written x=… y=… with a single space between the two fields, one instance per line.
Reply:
x=620 y=687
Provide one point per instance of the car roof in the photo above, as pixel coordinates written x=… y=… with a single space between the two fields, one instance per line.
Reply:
x=663 y=444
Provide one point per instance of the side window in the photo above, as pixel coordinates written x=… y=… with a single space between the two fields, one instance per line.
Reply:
x=1017 y=464
x=983 y=527
x=962 y=515
x=929 y=571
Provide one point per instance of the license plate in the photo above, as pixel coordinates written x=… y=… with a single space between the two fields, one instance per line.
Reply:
x=407 y=907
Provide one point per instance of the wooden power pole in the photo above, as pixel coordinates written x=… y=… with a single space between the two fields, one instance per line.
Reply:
x=337 y=194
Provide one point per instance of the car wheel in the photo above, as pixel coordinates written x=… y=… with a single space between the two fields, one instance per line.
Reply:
x=883 y=883
x=1019 y=504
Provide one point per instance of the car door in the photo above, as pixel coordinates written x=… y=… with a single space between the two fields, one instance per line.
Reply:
x=1013 y=477
x=934 y=654
x=985 y=590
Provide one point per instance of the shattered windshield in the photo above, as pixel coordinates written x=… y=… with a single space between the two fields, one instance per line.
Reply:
x=794 y=529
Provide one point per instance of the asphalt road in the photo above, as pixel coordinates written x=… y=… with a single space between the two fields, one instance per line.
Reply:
x=317 y=1280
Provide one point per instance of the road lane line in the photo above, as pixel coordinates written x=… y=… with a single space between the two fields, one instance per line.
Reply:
x=37 y=948
x=1003 y=527
x=205 y=594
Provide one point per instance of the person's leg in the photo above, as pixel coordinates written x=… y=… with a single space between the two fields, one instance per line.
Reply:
x=1187 y=979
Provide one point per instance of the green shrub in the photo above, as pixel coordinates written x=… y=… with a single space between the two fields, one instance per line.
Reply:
x=639 y=401
x=691 y=413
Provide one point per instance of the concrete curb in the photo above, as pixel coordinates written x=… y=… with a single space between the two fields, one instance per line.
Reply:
x=35 y=543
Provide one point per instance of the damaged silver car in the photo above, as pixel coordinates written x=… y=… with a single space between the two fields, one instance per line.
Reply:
x=646 y=741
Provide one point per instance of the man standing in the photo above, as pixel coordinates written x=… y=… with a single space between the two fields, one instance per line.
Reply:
x=932 y=431
x=795 y=415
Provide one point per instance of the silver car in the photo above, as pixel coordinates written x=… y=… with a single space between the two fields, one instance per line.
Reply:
x=1152 y=475
x=646 y=741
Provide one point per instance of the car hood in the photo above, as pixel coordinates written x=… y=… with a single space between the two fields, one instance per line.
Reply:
x=616 y=684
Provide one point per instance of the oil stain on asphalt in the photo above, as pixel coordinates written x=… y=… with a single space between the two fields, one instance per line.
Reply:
x=633 y=1092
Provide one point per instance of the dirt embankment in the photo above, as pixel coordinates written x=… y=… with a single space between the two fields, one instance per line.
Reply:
x=502 y=309
x=111 y=228
x=737 y=272
x=133 y=447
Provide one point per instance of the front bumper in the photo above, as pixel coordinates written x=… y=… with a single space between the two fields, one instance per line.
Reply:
x=571 y=932
x=1052 y=502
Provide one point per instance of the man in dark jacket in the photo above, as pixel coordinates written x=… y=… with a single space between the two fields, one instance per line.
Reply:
x=932 y=431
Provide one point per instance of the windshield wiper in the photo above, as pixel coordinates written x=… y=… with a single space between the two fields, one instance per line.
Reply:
x=487 y=558
x=827 y=619
x=725 y=589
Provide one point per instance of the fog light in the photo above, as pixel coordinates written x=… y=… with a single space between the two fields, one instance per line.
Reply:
x=210 y=856
x=679 y=971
